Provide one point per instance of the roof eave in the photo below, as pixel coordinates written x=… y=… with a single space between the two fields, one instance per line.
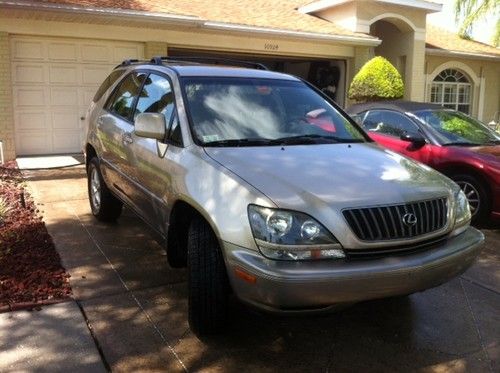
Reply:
x=451 y=53
x=318 y=6
x=187 y=21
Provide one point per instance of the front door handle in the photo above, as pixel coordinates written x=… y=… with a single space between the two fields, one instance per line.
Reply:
x=127 y=138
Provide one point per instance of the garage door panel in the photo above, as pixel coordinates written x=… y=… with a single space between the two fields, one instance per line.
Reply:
x=62 y=52
x=95 y=53
x=94 y=75
x=28 y=73
x=31 y=120
x=65 y=120
x=28 y=50
x=67 y=141
x=63 y=74
x=64 y=96
x=54 y=81
x=121 y=53
x=33 y=143
x=29 y=97
x=86 y=95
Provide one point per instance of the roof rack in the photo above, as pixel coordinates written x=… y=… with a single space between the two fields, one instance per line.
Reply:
x=158 y=60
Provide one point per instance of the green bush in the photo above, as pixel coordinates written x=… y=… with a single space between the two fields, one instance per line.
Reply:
x=377 y=80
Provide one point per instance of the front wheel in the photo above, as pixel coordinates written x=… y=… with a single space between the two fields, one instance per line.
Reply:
x=476 y=194
x=208 y=282
x=104 y=205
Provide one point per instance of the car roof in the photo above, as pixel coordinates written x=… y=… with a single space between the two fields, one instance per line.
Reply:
x=396 y=105
x=225 y=68
x=228 y=71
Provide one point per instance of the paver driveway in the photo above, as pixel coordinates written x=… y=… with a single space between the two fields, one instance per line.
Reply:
x=136 y=307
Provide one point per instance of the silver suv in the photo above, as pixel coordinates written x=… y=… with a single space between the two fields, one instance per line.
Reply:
x=263 y=187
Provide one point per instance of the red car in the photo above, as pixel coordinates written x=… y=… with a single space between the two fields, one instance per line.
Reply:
x=449 y=141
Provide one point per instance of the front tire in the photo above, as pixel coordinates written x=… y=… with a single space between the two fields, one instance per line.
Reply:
x=476 y=194
x=208 y=282
x=104 y=205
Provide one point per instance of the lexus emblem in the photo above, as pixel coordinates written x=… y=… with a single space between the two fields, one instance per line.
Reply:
x=409 y=219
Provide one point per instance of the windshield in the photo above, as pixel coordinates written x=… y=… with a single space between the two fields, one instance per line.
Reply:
x=253 y=112
x=455 y=128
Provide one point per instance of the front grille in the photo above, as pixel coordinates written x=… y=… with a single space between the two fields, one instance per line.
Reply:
x=382 y=223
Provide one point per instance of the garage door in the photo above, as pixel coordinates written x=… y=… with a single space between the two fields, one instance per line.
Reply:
x=54 y=80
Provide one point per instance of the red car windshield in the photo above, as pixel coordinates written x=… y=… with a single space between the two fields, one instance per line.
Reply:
x=251 y=112
x=454 y=128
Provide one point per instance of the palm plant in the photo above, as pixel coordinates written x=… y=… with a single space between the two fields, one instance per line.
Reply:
x=468 y=12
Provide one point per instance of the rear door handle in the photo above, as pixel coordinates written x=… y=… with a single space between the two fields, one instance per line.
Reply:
x=127 y=138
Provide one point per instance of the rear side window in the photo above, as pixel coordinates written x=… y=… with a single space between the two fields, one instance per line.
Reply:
x=108 y=82
x=123 y=100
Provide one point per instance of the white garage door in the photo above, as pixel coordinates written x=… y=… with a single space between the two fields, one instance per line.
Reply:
x=54 y=81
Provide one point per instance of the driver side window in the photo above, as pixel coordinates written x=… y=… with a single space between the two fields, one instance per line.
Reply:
x=389 y=123
x=157 y=96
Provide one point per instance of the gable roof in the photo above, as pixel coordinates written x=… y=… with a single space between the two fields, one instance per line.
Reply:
x=438 y=39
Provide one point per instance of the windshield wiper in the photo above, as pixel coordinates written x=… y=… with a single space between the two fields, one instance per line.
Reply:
x=289 y=140
x=461 y=143
x=242 y=142
x=313 y=139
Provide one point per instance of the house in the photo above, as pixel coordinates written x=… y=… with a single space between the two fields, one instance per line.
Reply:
x=55 y=53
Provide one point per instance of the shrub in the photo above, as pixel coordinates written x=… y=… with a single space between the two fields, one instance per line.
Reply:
x=378 y=79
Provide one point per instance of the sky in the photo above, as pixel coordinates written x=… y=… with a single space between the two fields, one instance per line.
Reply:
x=482 y=31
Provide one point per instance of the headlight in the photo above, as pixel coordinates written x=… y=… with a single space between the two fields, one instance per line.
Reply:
x=287 y=235
x=462 y=212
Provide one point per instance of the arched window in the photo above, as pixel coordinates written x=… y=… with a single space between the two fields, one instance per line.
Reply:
x=452 y=89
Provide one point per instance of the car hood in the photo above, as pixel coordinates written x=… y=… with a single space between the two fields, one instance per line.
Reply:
x=312 y=178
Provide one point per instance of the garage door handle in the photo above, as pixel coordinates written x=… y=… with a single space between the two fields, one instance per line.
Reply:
x=127 y=139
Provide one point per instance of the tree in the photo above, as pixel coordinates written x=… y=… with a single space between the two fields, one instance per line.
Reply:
x=468 y=12
x=378 y=79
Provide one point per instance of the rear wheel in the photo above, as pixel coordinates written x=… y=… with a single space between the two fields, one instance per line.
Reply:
x=208 y=282
x=476 y=194
x=104 y=206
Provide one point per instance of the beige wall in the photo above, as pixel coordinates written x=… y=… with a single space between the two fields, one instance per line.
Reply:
x=6 y=103
x=484 y=74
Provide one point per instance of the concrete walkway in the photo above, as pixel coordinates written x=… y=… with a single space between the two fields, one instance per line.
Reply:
x=136 y=306
x=53 y=339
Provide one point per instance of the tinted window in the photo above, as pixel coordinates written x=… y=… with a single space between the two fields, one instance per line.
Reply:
x=156 y=97
x=124 y=96
x=388 y=123
x=108 y=82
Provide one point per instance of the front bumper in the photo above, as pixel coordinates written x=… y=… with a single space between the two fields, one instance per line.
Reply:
x=301 y=286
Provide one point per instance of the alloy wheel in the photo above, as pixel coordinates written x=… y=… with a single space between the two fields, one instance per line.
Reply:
x=472 y=195
x=95 y=189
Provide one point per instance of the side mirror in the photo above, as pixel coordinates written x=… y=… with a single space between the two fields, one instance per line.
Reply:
x=151 y=125
x=415 y=138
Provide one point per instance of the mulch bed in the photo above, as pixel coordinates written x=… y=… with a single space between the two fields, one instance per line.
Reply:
x=31 y=273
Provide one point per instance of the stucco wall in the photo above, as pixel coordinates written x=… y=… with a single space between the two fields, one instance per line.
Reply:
x=485 y=73
x=6 y=105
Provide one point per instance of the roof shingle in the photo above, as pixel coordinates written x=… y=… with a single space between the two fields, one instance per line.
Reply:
x=438 y=38
x=275 y=14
